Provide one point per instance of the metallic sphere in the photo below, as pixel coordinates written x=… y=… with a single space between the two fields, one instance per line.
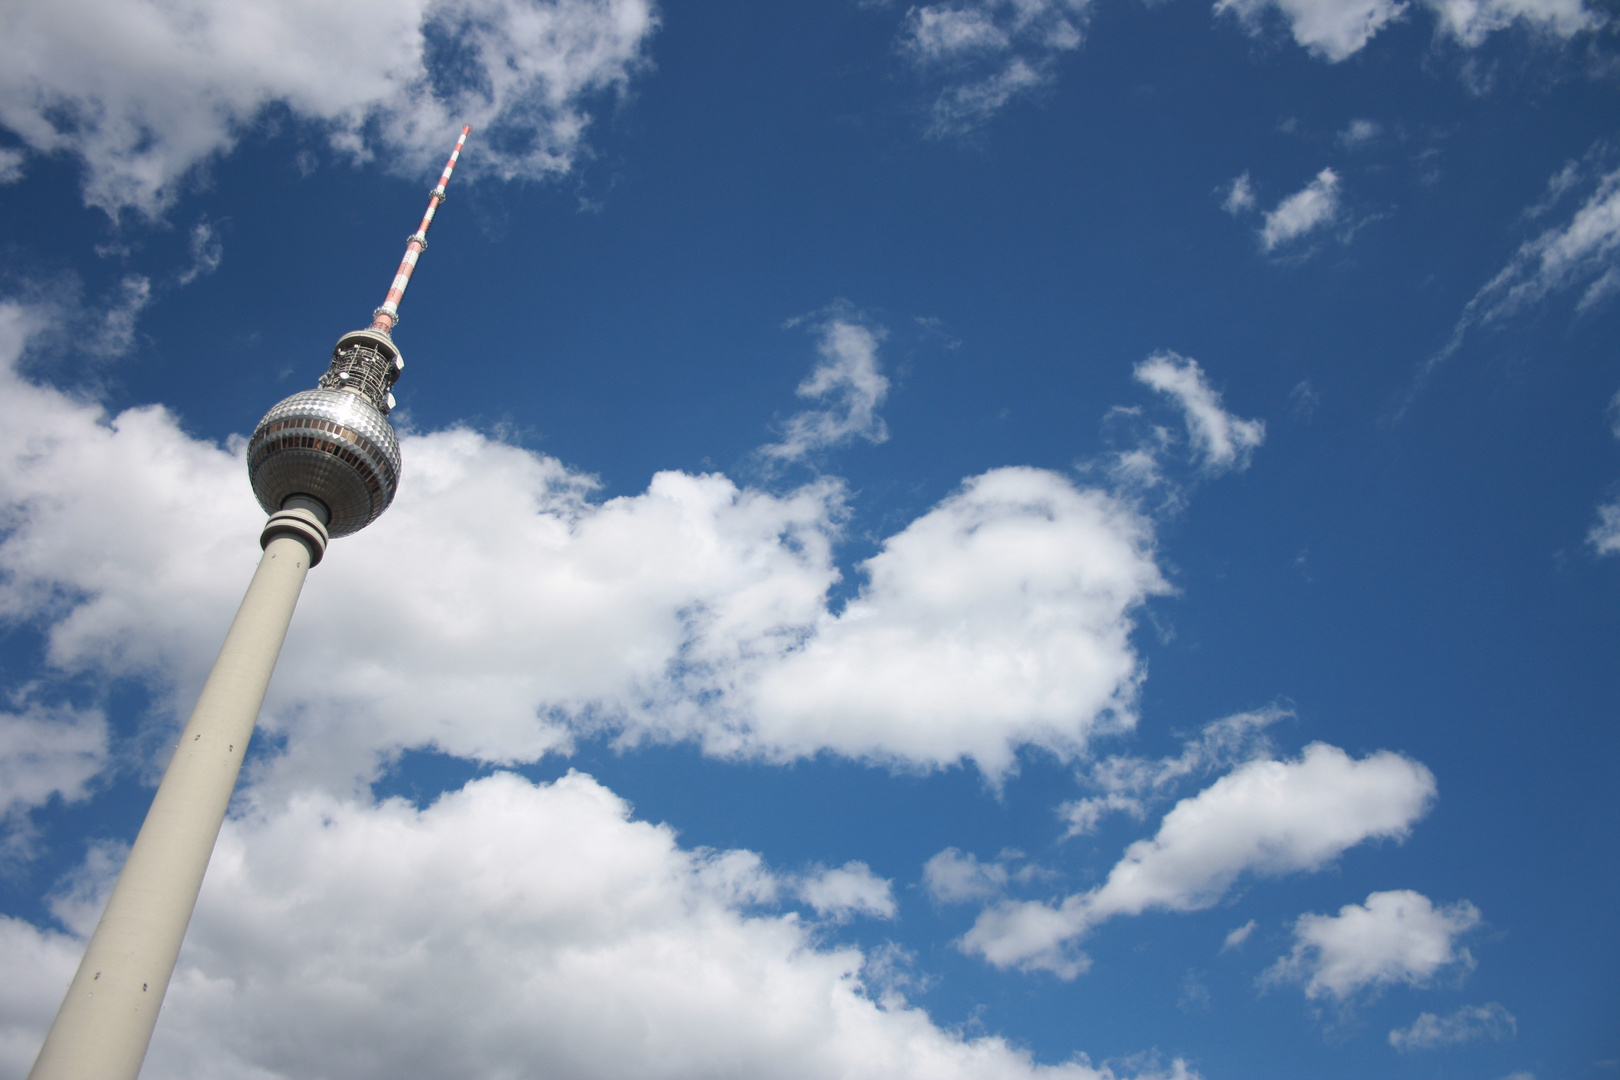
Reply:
x=334 y=443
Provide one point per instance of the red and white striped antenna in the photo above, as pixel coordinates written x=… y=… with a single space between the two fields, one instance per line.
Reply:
x=385 y=318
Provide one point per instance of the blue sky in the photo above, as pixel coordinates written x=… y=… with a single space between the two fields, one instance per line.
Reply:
x=1006 y=538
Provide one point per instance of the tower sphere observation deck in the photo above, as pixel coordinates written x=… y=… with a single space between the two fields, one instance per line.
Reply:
x=334 y=443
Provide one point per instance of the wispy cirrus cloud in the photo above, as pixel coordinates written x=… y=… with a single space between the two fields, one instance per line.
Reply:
x=1316 y=206
x=1220 y=439
x=1581 y=253
x=1335 y=30
x=850 y=382
x=982 y=54
x=1605 y=535
x=1131 y=785
x=1468 y=1023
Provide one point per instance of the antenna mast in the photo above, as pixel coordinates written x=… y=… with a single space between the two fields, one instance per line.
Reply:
x=385 y=318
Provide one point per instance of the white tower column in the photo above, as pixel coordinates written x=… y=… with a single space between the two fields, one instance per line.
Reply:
x=105 y=1023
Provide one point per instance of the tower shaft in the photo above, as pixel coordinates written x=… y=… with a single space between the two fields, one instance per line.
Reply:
x=105 y=1023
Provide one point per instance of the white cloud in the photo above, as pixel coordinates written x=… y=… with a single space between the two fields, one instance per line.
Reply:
x=1314 y=206
x=849 y=378
x=1429 y=1031
x=1396 y=937
x=41 y=963
x=1239 y=196
x=934 y=34
x=112 y=332
x=1130 y=784
x=11 y=165
x=1266 y=817
x=46 y=752
x=1330 y=29
x=1584 y=250
x=1469 y=22
x=846 y=891
x=1083 y=816
x=144 y=91
x=506 y=924
x=1335 y=30
x=1237 y=937
x=1359 y=133
x=953 y=878
x=1000 y=618
x=1580 y=253
x=1220 y=439
x=987 y=52
x=1605 y=535
x=697 y=610
x=206 y=253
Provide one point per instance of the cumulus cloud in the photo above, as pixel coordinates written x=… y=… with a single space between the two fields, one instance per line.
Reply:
x=1470 y=1022
x=1266 y=817
x=987 y=52
x=143 y=91
x=1330 y=29
x=11 y=165
x=844 y=892
x=1313 y=207
x=45 y=960
x=507 y=923
x=1395 y=937
x=696 y=610
x=46 y=752
x=953 y=878
x=999 y=618
x=849 y=380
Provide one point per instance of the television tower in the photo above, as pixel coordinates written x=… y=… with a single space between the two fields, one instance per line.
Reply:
x=323 y=463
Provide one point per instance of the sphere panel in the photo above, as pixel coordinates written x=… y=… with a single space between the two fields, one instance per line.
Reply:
x=332 y=445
